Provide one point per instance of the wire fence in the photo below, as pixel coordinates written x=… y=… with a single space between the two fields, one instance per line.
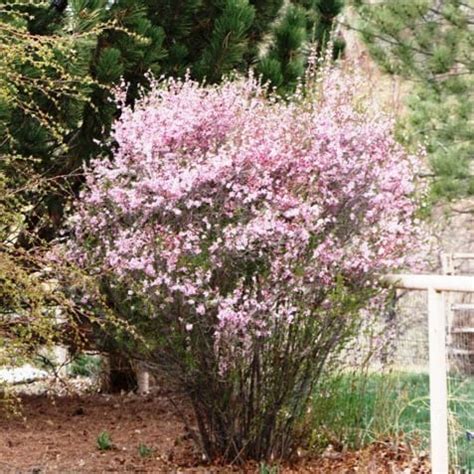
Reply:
x=460 y=340
x=408 y=358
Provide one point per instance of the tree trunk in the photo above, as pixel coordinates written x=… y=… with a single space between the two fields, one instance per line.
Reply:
x=120 y=374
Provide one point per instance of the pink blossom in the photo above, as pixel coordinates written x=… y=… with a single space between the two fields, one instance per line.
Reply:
x=253 y=209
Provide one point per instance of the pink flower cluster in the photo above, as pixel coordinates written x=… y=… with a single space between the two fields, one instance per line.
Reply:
x=226 y=206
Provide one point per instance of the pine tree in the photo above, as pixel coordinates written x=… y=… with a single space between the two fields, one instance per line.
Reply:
x=128 y=50
x=209 y=38
x=44 y=86
x=430 y=43
x=128 y=38
x=283 y=63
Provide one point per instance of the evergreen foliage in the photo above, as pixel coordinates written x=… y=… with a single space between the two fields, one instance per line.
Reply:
x=431 y=42
x=128 y=38
x=44 y=86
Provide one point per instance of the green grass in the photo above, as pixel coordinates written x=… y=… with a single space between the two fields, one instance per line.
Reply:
x=354 y=410
x=461 y=391
x=86 y=365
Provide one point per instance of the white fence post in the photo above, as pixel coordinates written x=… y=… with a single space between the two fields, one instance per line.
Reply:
x=438 y=382
x=61 y=353
x=143 y=380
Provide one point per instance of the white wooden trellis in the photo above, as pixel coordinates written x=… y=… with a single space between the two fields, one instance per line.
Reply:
x=436 y=285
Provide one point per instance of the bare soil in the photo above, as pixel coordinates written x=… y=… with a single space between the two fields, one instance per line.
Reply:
x=59 y=435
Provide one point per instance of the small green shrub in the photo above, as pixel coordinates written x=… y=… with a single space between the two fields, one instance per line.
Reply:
x=266 y=469
x=144 y=451
x=85 y=365
x=104 y=441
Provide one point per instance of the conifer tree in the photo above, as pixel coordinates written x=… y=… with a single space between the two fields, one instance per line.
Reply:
x=430 y=43
x=209 y=38
x=61 y=128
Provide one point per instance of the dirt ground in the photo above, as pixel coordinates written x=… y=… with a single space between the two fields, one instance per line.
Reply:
x=59 y=435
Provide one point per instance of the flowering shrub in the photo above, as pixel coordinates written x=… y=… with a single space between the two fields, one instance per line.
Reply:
x=247 y=231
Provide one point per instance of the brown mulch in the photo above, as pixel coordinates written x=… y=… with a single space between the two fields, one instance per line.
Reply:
x=59 y=435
